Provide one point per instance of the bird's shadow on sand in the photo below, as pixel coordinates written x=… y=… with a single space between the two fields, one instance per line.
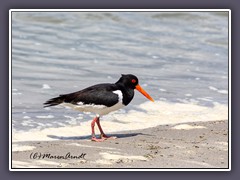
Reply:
x=89 y=137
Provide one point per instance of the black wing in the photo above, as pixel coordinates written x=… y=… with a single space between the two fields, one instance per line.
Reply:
x=100 y=94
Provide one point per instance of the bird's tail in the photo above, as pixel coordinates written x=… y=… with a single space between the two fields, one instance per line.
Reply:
x=55 y=101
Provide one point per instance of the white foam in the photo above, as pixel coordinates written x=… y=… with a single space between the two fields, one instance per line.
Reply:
x=149 y=114
x=44 y=162
x=163 y=90
x=26 y=123
x=155 y=57
x=37 y=164
x=22 y=164
x=37 y=44
x=106 y=155
x=212 y=88
x=97 y=147
x=186 y=101
x=187 y=127
x=111 y=158
x=45 y=117
x=46 y=86
x=26 y=117
x=17 y=93
x=17 y=147
x=47 y=108
x=223 y=91
x=205 y=99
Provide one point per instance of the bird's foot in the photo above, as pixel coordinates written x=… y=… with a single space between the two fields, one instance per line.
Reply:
x=104 y=136
x=97 y=139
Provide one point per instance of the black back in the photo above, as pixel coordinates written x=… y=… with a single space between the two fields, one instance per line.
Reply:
x=100 y=94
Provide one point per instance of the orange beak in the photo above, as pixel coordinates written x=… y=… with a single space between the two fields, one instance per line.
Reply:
x=141 y=90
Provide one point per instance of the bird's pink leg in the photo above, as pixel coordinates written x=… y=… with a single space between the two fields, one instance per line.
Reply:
x=103 y=135
x=93 y=131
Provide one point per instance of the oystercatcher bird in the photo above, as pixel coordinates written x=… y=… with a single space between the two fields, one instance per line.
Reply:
x=101 y=99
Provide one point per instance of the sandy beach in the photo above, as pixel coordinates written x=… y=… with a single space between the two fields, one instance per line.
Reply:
x=185 y=145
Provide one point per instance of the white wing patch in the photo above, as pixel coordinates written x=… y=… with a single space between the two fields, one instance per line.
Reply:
x=98 y=109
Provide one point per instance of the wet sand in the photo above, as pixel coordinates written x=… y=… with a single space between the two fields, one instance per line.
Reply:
x=185 y=145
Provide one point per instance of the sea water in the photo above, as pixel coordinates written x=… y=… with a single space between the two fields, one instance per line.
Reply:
x=180 y=58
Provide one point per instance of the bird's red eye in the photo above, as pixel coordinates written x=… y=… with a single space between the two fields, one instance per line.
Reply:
x=133 y=80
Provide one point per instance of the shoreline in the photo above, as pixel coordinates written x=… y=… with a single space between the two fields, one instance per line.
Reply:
x=148 y=115
x=183 y=145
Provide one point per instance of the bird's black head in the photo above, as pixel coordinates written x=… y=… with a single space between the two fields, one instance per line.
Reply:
x=128 y=80
x=131 y=81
